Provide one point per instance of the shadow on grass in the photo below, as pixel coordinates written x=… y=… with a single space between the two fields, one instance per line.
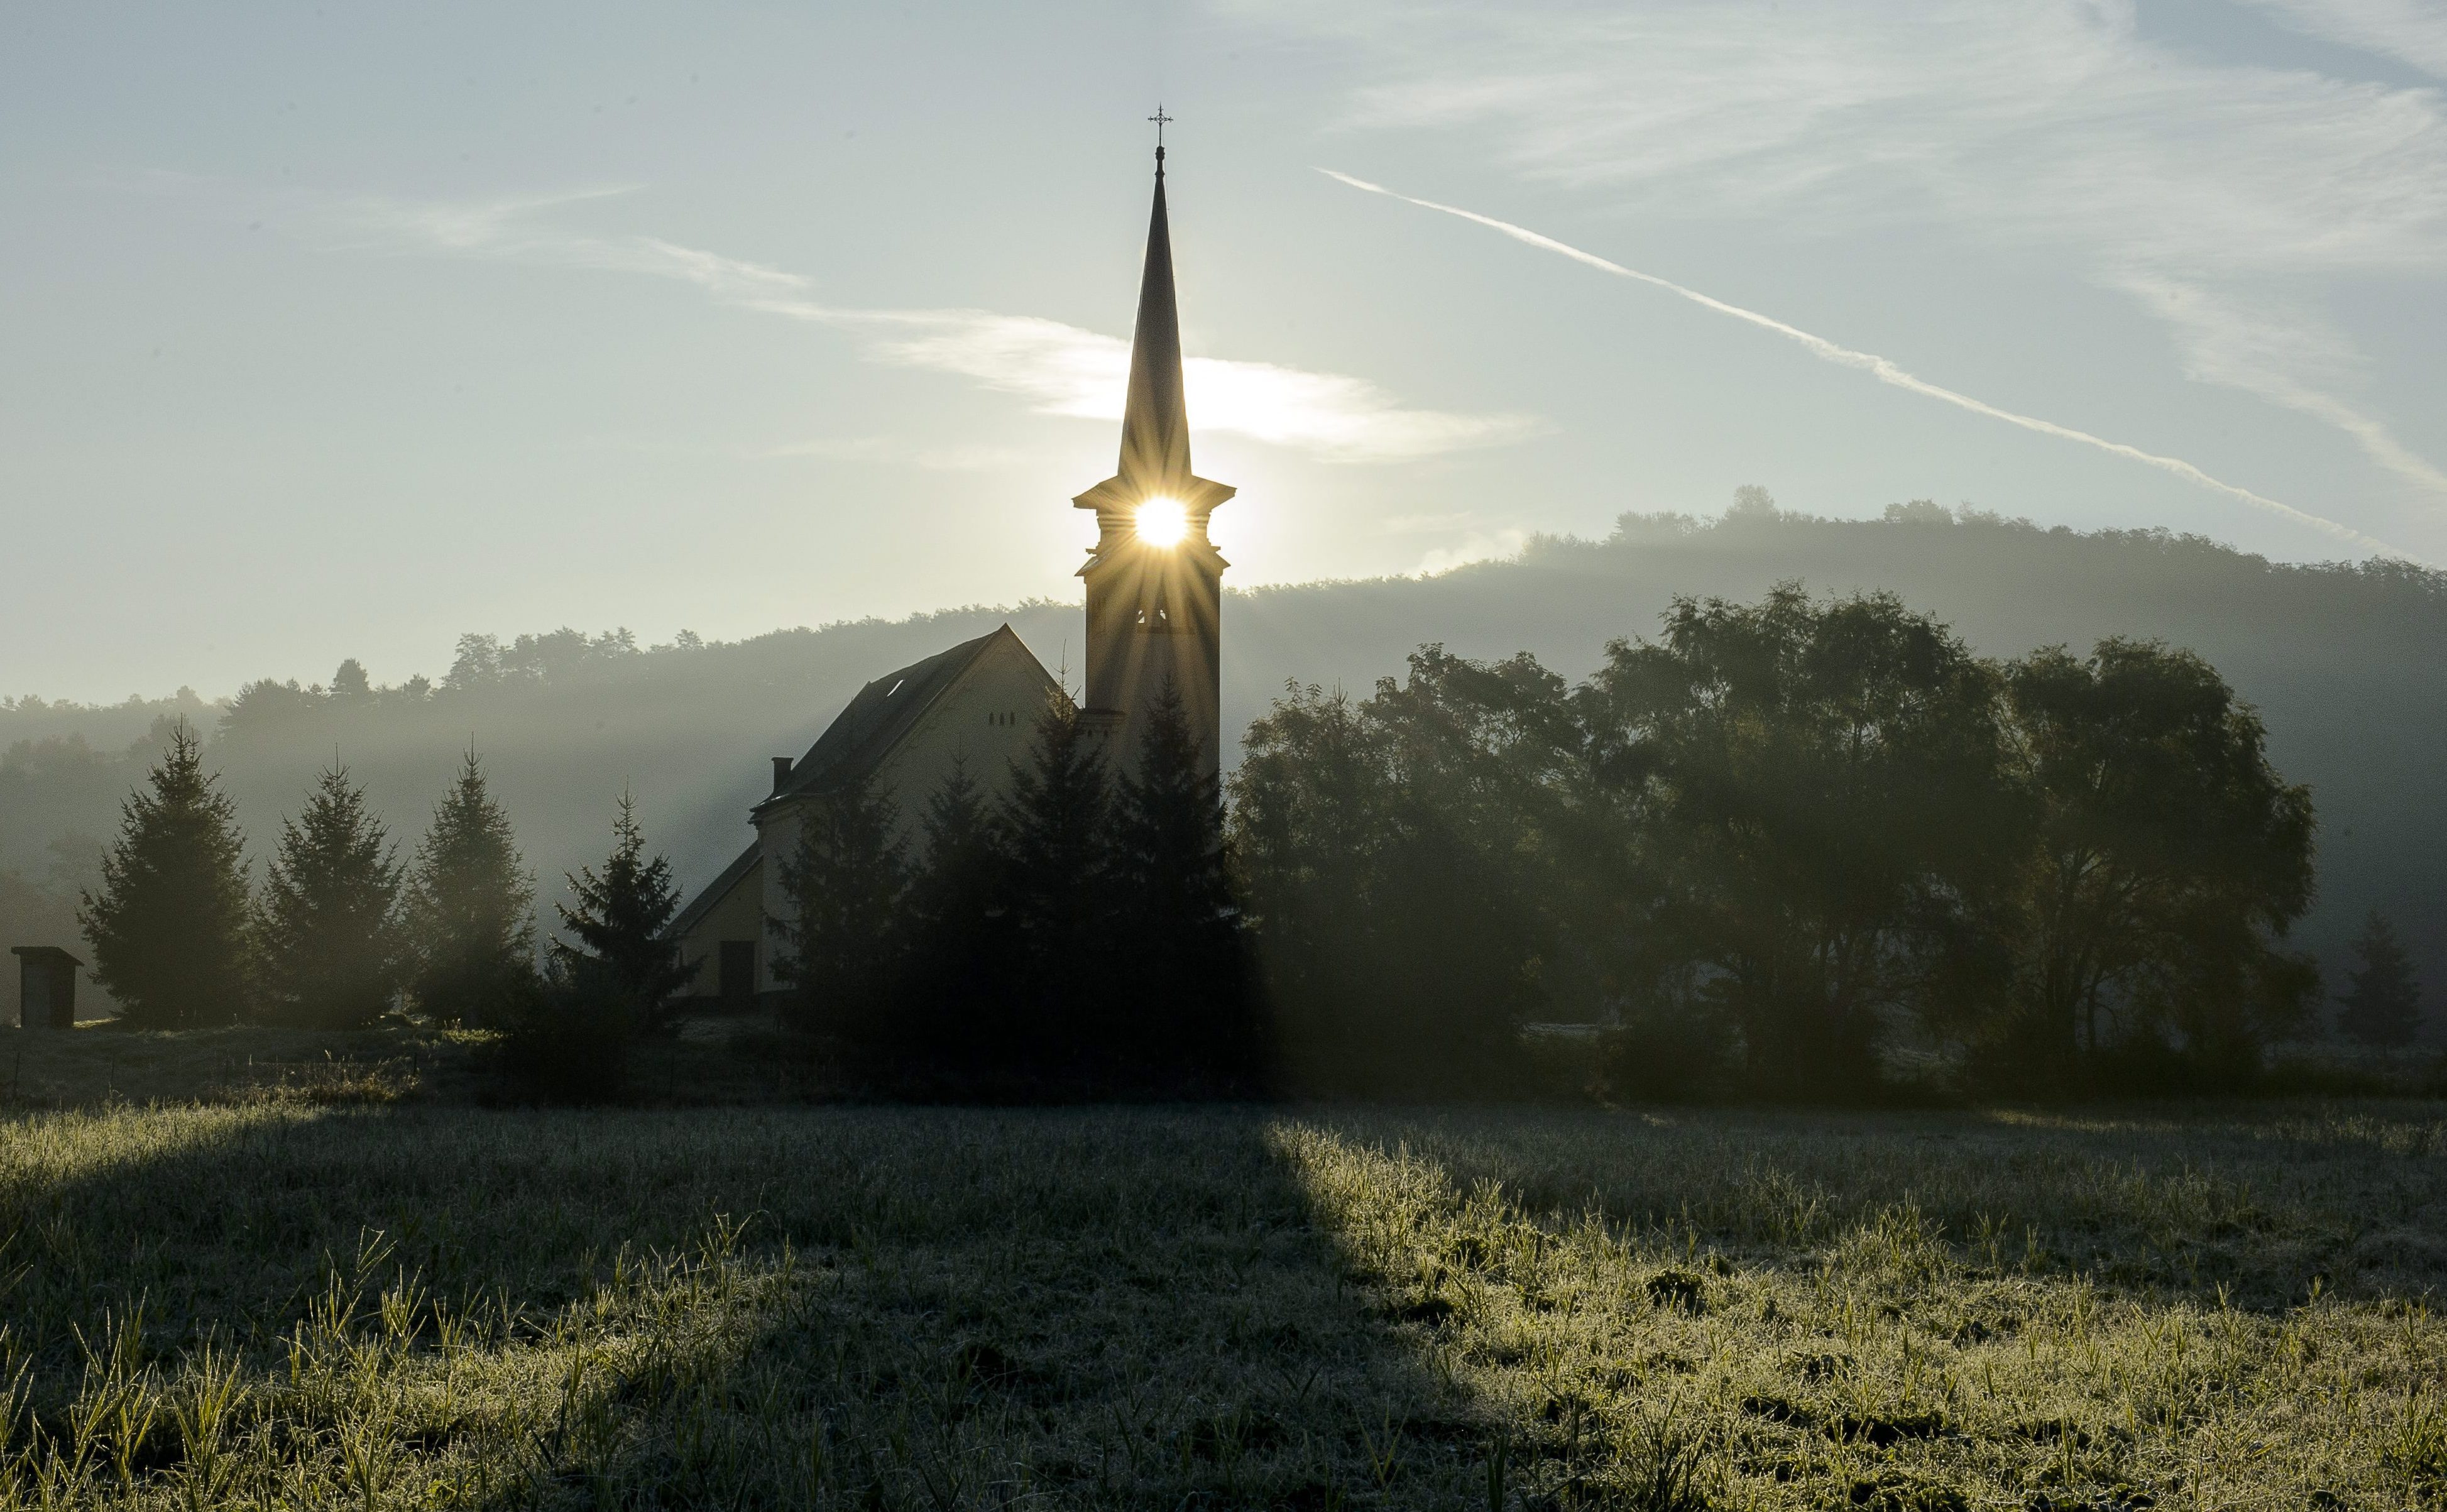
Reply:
x=886 y=1306
x=1139 y=1307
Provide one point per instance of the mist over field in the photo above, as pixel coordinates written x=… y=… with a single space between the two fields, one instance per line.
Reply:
x=2347 y=664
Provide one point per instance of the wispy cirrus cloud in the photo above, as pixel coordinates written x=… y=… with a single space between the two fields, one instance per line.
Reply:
x=2414 y=32
x=1885 y=370
x=2290 y=358
x=1060 y=369
x=2052 y=127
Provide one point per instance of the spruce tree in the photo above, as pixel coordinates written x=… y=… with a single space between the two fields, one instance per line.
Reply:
x=168 y=924
x=470 y=908
x=962 y=964
x=328 y=928
x=841 y=921
x=1178 y=937
x=1058 y=817
x=620 y=916
x=2383 y=1004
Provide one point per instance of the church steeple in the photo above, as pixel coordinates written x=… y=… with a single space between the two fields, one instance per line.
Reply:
x=1154 y=580
x=1155 y=421
x=1155 y=416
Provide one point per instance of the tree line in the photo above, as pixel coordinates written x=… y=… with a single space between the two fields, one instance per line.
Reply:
x=1783 y=849
x=1075 y=937
x=558 y=656
x=2347 y=664
x=1794 y=848
x=342 y=930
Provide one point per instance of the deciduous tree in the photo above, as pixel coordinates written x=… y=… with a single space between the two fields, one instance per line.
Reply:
x=1393 y=851
x=2171 y=859
x=1832 y=806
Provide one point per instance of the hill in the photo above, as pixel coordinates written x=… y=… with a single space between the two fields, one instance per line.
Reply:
x=2347 y=664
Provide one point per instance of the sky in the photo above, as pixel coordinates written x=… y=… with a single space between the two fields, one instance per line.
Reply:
x=333 y=331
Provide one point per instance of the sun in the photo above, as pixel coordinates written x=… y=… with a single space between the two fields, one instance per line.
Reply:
x=1163 y=522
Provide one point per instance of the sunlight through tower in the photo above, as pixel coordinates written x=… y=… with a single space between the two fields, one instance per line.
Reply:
x=1154 y=580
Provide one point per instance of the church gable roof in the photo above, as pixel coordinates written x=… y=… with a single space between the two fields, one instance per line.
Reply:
x=873 y=724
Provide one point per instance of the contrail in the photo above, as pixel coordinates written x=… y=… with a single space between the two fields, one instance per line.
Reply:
x=1883 y=371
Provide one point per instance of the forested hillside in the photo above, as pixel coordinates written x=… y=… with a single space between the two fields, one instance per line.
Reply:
x=2348 y=666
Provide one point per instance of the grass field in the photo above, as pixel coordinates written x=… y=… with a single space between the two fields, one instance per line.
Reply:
x=313 y=1299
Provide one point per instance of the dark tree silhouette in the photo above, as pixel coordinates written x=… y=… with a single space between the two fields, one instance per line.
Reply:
x=2170 y=857
x=2382 y=1006
x=1309 y=829
x=168 y=924
x=470 y=908
x=328 y=927
x=1831 y=796
x=1388 y=850
x=963 y=1019
x=1764 y=846
x=1178 y=939
x=842 y=926
x=620 y=916
x=1057 y=820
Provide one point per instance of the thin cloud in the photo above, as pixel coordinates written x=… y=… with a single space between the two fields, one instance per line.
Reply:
x=2052 y=128
x=2408 y=31
x=1880 y=368
x=1060 y=369
x=2051 y=123
x=2282 y=357
x=1065 y=370
x=491 y=226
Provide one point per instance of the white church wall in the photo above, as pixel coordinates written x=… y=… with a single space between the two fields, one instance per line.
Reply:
x=985 y=721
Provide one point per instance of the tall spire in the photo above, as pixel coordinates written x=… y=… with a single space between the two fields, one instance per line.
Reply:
x=1154 y=578
x=1155 y=424
x=1155 y=421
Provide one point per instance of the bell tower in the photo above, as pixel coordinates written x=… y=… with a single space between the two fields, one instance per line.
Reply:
x=1155 y=582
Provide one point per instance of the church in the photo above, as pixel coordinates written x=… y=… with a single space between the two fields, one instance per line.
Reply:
x=1154 y=591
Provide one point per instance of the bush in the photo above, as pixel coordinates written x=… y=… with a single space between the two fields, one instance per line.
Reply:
x=568 y=1036
x=1669 y=1053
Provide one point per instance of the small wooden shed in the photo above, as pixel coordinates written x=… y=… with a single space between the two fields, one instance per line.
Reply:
x=46 y=987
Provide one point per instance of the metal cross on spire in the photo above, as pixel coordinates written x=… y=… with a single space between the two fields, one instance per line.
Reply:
x=1159 y=118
